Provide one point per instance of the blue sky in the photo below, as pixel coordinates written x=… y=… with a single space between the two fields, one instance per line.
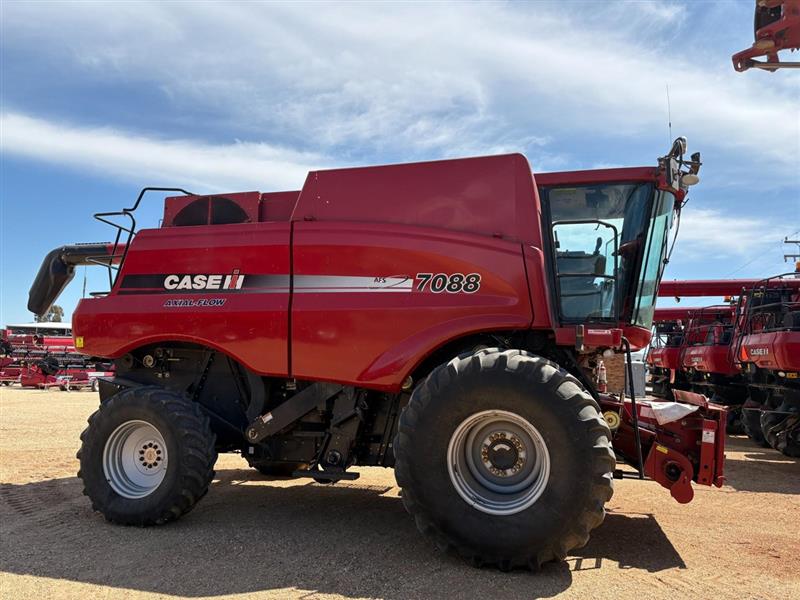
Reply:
x=99 y=100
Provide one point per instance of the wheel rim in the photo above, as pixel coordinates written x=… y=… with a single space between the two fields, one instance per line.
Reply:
x=498 y=462
x=135 y=459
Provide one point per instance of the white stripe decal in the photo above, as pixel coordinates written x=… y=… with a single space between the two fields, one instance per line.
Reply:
x=349 y=290
x=322 y=284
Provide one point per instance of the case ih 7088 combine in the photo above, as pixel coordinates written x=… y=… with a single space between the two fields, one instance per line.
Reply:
x=440 y=318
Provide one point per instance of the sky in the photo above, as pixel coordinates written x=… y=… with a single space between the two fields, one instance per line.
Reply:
x=99 y=100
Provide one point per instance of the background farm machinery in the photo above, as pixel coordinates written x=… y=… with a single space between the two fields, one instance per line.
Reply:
x=745 y=356
x=46 y=360
x=776 y=28
x=766 y=348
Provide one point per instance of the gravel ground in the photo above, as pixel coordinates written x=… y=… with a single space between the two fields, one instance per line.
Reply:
x=250 y=537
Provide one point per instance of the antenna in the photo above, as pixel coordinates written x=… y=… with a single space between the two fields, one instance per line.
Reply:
x=84 y=282
x=669 y=117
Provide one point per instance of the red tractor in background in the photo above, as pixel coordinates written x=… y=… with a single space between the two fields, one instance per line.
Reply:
x=776 y=27
x=767 y=349
x=441 y=318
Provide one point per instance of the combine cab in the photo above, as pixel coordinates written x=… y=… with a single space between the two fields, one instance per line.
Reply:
x=441 y=318
x=664 y=353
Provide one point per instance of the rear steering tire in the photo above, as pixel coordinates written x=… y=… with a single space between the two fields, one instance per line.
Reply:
x=147 y=456
x=505 y=458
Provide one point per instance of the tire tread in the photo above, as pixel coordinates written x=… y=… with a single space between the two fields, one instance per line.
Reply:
x=544 y=371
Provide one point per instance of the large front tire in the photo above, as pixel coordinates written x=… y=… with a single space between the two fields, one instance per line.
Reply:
x=147 y=456
x=505 y=458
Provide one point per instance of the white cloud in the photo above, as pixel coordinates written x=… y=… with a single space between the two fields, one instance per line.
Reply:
x=195 y=165
x=658 y=10
x=711 y=234
x=428 y=80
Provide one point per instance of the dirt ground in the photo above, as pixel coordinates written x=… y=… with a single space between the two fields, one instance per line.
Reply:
x=250 y=537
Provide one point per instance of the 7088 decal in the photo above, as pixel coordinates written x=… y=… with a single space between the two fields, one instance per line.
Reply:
x=453 y=283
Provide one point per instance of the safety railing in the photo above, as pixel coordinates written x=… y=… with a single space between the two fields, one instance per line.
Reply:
x=126 y=229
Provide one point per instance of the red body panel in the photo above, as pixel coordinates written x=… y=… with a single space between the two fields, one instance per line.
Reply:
x=464 y=216
x=376 y=338
x=665 y=358
x=773 y=350
x=491 y=195
x=710 y=359
x=468 y=216
x=251 y=326
x=277 y=206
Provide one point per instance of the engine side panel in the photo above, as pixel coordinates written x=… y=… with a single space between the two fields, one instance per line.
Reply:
x=665 y=358
x=236 y=297
x=710 y=359
x=774 y=350
x=364 y=313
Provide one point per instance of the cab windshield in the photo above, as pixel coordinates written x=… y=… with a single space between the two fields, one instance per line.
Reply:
x=609 y=242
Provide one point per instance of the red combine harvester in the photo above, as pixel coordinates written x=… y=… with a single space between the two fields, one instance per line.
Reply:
x=707 y=362
x=767 y=348
x=764 y=321
x=666 y=356
x=776 y=27
x=691 y=352
x=441 y=318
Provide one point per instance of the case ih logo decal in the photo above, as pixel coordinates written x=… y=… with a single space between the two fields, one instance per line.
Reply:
x=758 y=351
x=233 y=281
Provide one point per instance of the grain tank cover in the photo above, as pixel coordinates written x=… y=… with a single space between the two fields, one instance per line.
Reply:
x=493 y=195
